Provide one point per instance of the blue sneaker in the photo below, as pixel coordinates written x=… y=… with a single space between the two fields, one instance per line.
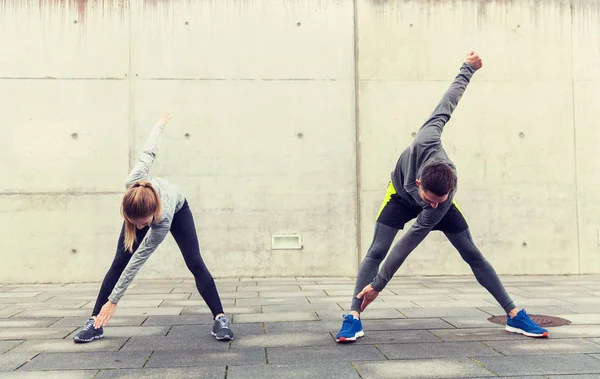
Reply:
x=522 y=324
x=351 y=329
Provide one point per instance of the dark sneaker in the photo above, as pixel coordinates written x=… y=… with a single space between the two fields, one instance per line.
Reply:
x=351 y=329
x=221 y=329
x=522 y=324
x=88 y=333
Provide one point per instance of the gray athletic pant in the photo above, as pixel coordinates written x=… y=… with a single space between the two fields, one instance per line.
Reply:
x=462 y=241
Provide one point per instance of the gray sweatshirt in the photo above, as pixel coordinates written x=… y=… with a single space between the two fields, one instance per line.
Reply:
x=426 y=147
x=171 y=200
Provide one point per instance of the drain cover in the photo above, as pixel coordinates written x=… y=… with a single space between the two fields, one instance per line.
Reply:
x=543 y=321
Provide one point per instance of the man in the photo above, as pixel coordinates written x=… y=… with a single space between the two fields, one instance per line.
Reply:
x=423 y=186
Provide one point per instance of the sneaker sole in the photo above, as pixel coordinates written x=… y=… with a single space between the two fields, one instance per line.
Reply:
x=224 y=338
x=79 y=340
x=350 y=339
x=511 y=329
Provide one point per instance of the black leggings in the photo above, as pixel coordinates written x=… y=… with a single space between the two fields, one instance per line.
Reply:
x=183 y=230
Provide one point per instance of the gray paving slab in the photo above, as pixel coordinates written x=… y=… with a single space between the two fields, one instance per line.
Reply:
x=333 y=352
x=587 y=308
x=541 y=364
x=452 y=303
x=403 y=324
x=422 y=369
x=160 y=311
x=302 y=326
x=285 y=340
x=544 y=346
x=372 y=314
x=396 y=336
x=80 y=361
x=138 y=303
x=11 y=361
x=70 y=374
x=476 y=334
x=443 y=312
x=195 y=303
x=115 y=321
x=179 y=320
x=202 y=358
x=230 y=310
x=301 y=308
x=239 y=330
x=571 y=331
x=470 y=322
x=11 y=311
x=274 y=287
x=38 y=333
x=38 y=313
x=7 y=345
x=130 y=331
x=438 y=349
x=18 y=294
x=272 y=317
x=175 y=343
x=580 y=319
x=215 y=372
x=292 y=293
x=27 y=322
x=67 y=345
x=584 y=376
x=329 y=370
x=271 y=301
x=230 y=295
x=155 y=290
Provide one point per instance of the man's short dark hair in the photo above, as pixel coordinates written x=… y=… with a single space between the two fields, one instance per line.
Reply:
x=438 y=178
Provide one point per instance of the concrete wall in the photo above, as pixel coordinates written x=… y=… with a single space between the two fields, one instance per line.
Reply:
x=288 y=117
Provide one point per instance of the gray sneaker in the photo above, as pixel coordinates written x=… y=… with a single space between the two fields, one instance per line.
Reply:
x=88 y=333
x=221 y=329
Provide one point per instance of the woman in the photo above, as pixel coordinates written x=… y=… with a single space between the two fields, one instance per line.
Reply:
x=151 y=208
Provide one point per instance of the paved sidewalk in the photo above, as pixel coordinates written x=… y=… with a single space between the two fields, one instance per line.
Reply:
x=424 y=327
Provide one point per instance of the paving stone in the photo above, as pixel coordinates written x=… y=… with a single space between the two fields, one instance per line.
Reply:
x=475 y=334
x=334 y=299
x=155 y=290
x=80 y=361
x=541 y=364
x=349 y=288
x=285 y=339
x=55 y=313
x=202 y=358
x=230 y=310
x=301 y=308
x=27 y=322
x=272 y=301
x=275 y=287
x=195 y=303
x=138 y=303
x=215 y=372
x=179 y=320
x=443 y=312
x=130 y=331
x=67 y=345
x=588 y=308
x=402 y=324
x=160 y=311
x=7 y=345
x=115 y=321
x=470 y=322
x=392 y=305
x=71 y=374
x=292 y=293
x=436 y=350
x=453 y=303
x=576 y=319
x=333 y=352
x=372 y=314
x=573 y=331
x=545 y=346
x=584 y=376
x=329 y=370
x=11 y=311
x=422 y=369
x=302 y=326
x=11 y=361
x=230 y=295
x=272 y=317
x=239 y=330
x=534 y=310
x=396 y=336
x=18 y=294
x=179 y=342
x=28 y=333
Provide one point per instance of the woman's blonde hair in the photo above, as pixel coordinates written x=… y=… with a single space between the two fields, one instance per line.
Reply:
x=140 y=201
